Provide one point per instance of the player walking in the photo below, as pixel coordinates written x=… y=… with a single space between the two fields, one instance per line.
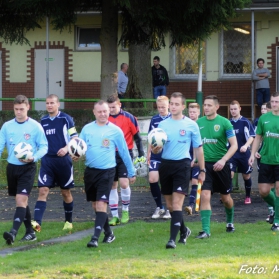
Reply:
x=129 y=125
x=154 y=160
x=268 y=133
x=21 y=173
x=245 y=135
x=56 y=166
x=102 y=138
x=194 y=113
x=175 y=165
x=215 y=132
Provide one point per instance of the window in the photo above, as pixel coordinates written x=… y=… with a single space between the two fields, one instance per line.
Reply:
x=236 y=52
x=88 y=38
x=184 y=63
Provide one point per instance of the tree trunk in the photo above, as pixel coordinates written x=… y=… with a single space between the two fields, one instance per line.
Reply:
x=108 y=41
x=139 y=73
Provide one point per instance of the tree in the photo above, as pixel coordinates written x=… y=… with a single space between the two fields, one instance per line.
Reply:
x=146 y=23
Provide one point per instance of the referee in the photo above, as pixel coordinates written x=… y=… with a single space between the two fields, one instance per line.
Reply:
x=102 y=138
x=175 y=168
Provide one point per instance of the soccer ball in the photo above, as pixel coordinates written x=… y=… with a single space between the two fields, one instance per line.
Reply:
x=23 y=151
x=157 y=137
x=77 y=147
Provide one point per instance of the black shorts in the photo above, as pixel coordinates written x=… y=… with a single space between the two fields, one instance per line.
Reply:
x=175 y=176
x=56 y=171
x=268 y=174
x=241 y=164
x=217 y=181
x=20 y=178
x=120 y=169
x=98 y=184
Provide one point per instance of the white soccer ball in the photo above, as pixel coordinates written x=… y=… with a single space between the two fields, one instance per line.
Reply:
x=23 y=151
x=157 y=137
x=77 y=147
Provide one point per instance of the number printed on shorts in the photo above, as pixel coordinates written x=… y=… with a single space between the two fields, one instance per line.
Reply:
x=45 y=178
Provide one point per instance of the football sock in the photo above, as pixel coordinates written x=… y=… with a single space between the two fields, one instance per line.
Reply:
x=125 y=197
x=248 y=185
x=19 y=217
x=39 y=211
x=270 y=199
x=193 y=194
x=113 y=202
x=27 y=221
x=205 y=219
x=68 y=208
x=276 y=216
x=107 y=228
x=100 y=220
x=175 y=224
x=182 y=227
x=230 y=214
x=156 y=193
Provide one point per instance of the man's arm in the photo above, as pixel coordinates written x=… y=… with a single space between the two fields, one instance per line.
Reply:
x=138 y=141
x=218 y=166
x=200 y=157
x=167 y=77
x=255 y=77
x=247 y=144
x=255 y=148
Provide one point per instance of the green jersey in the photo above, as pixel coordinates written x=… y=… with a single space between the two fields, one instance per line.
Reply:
x=215 y=133
x=268 y=128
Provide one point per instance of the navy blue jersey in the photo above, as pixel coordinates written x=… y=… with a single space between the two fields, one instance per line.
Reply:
x=58 y=130
x=155 y=120
x=243 y=130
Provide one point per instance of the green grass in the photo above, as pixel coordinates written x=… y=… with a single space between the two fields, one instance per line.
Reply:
x=139 y=252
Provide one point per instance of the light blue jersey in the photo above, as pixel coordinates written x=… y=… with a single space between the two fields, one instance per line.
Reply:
x=180 y=135
x=101 y=144
x=30 y=131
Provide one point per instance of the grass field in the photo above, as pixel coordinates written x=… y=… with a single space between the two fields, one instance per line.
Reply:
x=139 y=252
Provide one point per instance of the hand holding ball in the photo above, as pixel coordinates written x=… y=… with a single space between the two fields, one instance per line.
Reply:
x=23 y=151
x=77 y=147
x=157 y=138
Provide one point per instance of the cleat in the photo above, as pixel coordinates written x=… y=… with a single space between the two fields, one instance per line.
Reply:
x=109 y=238
x=275 y=227
x=68 y=226
x=267 y=219
x=125 y=217
x=189 y=209
x=167 y=215
x=184 y=236
x=230 y=228
x=29 y=237
x=92 y=243
x=203 y=235
x=36 y=226
x=114 y=221
x=158 y=212
x=9 y=237
x=247 y=200
x=271 y=217
x=170 y=245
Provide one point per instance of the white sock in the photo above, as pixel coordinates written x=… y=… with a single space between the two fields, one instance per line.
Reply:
x=113 y=202
x=125 y=197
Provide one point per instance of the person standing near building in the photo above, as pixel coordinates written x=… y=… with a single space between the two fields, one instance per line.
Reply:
x=175 y=168
x=160 y=78
x=21 y=173
x=129 y=125
x=245 y=135
x=102 y=138
x=194 y=113
x=122 y=80
x=268 y=133
x=260 y=76
x=154 y=160
x=216 y=131
x=59 y=128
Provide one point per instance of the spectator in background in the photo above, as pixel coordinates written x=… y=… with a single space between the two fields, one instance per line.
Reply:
x=122 y=81
x=160 y=78
x=260 y=76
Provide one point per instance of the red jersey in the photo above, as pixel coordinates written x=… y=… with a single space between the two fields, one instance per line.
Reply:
x=128 y=124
